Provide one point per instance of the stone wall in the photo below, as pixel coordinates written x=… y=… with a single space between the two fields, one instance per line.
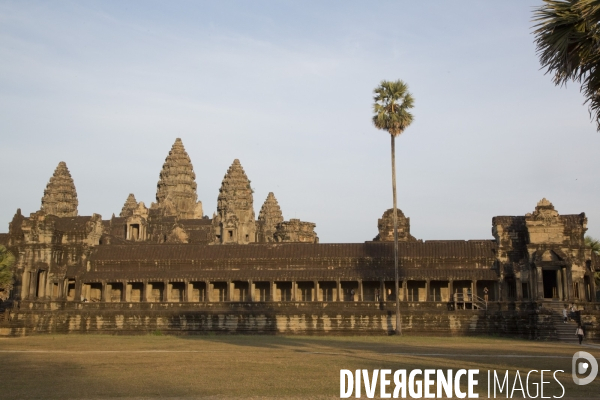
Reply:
x=350 y=318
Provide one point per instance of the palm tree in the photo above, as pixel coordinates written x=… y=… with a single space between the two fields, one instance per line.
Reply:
x=594 y=244
x=567 y=37
x=391 y=108
x=7 y=259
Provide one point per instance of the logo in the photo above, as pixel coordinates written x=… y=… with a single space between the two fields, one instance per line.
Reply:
x=581 y=363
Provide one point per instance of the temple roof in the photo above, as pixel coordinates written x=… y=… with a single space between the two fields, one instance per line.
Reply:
x=371 y=261
x=453 y=249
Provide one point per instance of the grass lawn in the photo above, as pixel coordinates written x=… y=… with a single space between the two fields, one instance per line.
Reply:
x=140 y=367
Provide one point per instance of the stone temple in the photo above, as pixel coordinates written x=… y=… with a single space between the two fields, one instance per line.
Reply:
x=171 y=268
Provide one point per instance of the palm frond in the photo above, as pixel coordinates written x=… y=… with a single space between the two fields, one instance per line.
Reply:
x=392 y=104
x=593 y=244
x=567 y=37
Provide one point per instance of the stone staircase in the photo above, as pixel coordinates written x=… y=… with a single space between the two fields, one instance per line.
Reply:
x=564 y=332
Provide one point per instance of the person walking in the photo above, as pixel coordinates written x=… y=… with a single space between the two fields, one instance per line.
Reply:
x=579 y=332
x=565 y=315
x=485 y=294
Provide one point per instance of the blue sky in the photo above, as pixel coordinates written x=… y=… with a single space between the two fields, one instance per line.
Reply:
x=286 y=87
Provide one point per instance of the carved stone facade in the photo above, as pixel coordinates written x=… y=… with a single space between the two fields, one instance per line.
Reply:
x=385 y=225
x=168 y=254
x=60 y=197
x=295 y=230
x=543 y=255
x=268 y=218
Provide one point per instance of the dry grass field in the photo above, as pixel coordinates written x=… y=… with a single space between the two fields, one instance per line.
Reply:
x=222 y=367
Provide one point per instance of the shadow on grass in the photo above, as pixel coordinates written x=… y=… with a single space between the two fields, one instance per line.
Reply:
x=378 y=344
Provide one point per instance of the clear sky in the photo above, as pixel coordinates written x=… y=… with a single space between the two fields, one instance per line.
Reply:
x=286 y=87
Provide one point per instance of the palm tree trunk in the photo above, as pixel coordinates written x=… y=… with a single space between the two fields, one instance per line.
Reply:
x=397 y=298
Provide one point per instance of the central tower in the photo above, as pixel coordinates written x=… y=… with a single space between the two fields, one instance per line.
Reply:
x=176 y=188
x=234 y=221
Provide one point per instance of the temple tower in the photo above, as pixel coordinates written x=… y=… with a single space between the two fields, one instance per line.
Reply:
x=129 y=206
x=385 y=225
x=268 y=218
x=176 y=188
x=234 y=221
x=60 y=197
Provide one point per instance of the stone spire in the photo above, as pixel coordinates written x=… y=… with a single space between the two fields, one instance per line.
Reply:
x=234 y=222
x=60 y=197
x=176 y=188
x=268 y=218
x=130 y=205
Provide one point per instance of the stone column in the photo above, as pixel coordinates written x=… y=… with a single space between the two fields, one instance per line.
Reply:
x=78 y=290
x=540 y=283
x=519 y=288
x=474 y=289
x=125 y=295
x=41 y=284
x=382 y=290
x=106 y=288
x=532 y=284
x=33 y=282
x=339 y=291
x=570 y=289
x=559 y=284
x=403 y=289
x=451 y=290
x=187 y=294
x=229 y=294
x=428 y=296
x=294 y=290
x=251 y=288
x=146 y=291
x=316 y=285
x=360 y=291
x=207 y=292
x=272 y=290
x=166 y=291
x=563 y=279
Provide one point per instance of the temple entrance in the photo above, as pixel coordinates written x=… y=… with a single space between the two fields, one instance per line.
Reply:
x=550 y=284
